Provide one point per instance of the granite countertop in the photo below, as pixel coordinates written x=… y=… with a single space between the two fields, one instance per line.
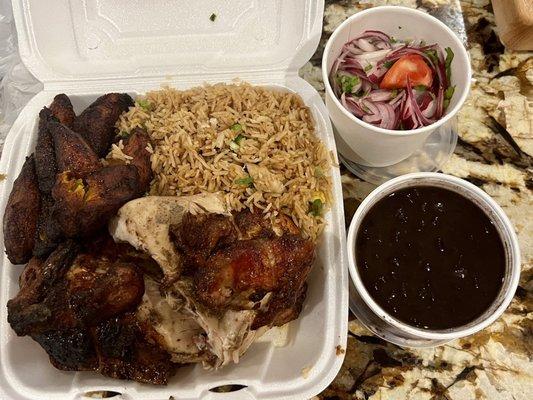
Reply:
x=494 y=152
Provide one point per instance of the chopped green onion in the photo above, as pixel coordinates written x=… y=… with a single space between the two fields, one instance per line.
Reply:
x=393 y=93
x=316 y=207
x=213 y=17
x=319 y=173
x=235 y=144
x=388 y=64
x=393 y=39
x=238 y=139
x=420 y=88
x=123 y=134
x=246 y=181
x=368 y=68
x=145 y=104
x=448 y=62
x=236 y=127
x=347 y=82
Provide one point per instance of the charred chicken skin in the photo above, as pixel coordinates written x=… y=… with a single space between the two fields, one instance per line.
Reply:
x=78 y=306
x=235 y=261
x=97 y=123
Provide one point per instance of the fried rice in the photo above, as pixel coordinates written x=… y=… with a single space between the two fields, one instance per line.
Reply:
x=254 y=145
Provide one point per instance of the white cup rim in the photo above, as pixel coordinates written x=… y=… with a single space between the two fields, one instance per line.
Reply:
x=446 y=334
x=451 y=113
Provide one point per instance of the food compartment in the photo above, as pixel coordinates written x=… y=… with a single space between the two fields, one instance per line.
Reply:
x=306 y=363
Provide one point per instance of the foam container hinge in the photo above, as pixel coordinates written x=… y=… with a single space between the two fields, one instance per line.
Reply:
x=91 y=47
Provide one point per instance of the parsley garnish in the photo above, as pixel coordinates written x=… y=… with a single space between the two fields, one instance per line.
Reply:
x=420 y=88
x=388 y=64
x=368 y=68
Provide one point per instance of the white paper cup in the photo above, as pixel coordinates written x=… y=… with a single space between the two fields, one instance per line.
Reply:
x=401 y=333
x=362 y=142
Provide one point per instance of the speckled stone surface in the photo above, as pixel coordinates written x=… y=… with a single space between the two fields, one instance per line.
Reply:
x=497 y=362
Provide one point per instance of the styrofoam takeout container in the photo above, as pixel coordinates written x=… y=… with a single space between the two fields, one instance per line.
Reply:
x=391 y=329
x=364 y=143
x=88 y=48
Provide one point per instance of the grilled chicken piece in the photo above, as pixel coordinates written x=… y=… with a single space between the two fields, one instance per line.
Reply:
x=232 y=274
x=84 y=205
x=136 y=225
x=72 y=152
x=41 y=302
x=237 y=271
x=97 y=122
x=78 y=305
x=22 y=213
x=124 y=352
x=62 y=109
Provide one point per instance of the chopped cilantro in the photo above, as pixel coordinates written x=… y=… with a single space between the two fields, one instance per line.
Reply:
x=236 y=127
x=445 y=104
x=393 y=93
x=315 y=207
x=420 y=88
x=393 y=39
x=246 y=181
x=213 y=17
x=368 y=68
x=449 y=93
x=145 y=104
x=388 y=64
x=347 y=82
x=448 y=62
x=432 y=54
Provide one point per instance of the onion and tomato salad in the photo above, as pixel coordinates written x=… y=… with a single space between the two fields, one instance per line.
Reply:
x=393 y=84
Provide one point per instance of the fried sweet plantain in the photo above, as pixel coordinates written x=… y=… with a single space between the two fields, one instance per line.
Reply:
x=62 y=109
x=45 y=160
x=48 y=234
x=72 y=152
x=97 y=122
x=135 y=146
x=84 y=205
x=22 y=213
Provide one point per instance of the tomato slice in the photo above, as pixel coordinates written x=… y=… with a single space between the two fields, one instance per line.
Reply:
x=410 y=66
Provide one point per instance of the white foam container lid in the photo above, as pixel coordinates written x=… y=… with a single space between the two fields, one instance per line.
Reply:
x=86 y=48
